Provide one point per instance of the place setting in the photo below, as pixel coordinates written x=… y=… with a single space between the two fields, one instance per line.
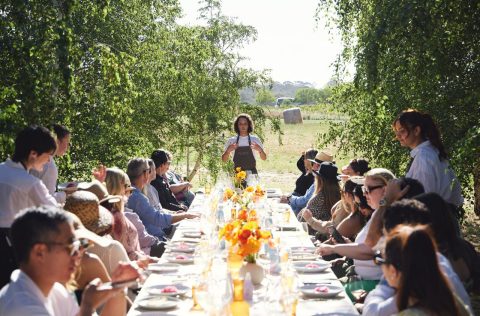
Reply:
x=173 y=290
x=156 y=302
x=312 y=266
x=320 y=290
x=163 y=267
x=181 y=246
x=181 y=258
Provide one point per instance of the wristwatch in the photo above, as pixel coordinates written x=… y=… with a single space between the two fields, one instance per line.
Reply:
x=383 y=202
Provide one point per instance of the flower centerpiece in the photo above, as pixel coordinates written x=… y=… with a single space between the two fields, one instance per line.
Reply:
x=239 y=179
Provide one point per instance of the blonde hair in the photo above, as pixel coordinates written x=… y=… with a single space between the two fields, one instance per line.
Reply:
x=151 y=165
x=380 y=174
x=116 y=180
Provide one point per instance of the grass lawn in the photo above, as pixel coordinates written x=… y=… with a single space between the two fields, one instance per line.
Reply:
x=280 y=169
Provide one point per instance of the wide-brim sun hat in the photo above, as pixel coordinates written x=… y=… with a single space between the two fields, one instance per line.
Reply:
x=97 y=188
x=86 y=207
x=322 y=156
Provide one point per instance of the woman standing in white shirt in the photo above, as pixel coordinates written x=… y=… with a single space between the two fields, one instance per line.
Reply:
x=429 y=160
x=244 y=145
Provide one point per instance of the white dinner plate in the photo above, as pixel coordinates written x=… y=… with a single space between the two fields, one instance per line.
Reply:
x=168 y=289
x=304 y=256
x=192 y=234
x=181 y=247
x=163 y=267
x=309 y=250
x=179 y=258
x=320 y=290
x=158 y=302
x=311 y=266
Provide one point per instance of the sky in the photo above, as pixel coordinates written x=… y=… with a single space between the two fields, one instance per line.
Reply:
x=289 y=42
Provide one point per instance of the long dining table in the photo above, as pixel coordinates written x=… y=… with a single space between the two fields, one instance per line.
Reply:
x=292 y=235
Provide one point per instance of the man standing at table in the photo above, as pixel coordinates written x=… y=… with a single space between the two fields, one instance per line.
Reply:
x=244 y=145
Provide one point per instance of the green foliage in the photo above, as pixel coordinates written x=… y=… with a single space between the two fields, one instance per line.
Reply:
x=312 y=95
x=124 y=76
x=264 y=97
x=423 y=55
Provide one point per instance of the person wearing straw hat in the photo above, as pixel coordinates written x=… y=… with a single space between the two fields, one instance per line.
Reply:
x=98 y=220
x=297 y=203
x=48 y=256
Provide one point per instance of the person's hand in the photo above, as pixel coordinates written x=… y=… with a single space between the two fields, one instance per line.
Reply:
x=325 y=250
x=232 y=147
x=256 y=147
x=144 y=261
x=125 y=271
x=191 y=215
x=338 y=262
x=92 y=298
x=187 y=186
x=306 y=214
x=393 y=192
x=284 y=199
x=100 y=173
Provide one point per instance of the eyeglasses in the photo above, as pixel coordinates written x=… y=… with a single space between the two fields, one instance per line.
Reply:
x=74 y=248
x=368 y=190
x=378 y=259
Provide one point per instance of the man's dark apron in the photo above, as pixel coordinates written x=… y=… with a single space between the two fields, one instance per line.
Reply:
x=244 y=157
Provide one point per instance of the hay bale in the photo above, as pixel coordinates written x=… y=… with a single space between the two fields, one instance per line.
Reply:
x=293 y=116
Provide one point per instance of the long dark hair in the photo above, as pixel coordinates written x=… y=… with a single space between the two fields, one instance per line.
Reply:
x=410 y=119
x=412 y=251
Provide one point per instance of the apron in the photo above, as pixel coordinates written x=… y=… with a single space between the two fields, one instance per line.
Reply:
x=244 y=157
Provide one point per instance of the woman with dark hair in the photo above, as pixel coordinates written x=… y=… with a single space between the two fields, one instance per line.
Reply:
x=317 y=213
x=49 y=174
x=244 y=145
x=429 y=160
x=356 y=167
x=305 y=180
x=461 y=254
x=410 y=265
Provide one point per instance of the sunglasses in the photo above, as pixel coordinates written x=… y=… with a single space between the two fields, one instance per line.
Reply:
x=378 y=259
x=74 y=248
x=368 y=190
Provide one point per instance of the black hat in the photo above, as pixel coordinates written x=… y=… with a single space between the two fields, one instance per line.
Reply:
x=327 y=170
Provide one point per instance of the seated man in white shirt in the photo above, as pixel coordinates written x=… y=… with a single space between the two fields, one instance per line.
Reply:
x=34 y=147
x=48 y=254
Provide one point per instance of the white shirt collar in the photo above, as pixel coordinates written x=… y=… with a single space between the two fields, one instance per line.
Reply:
x=415 y=150
x=24 y=280
x=9 y=162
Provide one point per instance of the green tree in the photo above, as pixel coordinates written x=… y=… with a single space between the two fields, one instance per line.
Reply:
x=422 y=55
x=264 y=97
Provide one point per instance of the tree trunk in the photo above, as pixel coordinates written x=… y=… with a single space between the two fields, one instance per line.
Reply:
x=198 y=163
x=476 y=188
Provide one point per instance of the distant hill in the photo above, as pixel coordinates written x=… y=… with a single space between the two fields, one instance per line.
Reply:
x=279 y=89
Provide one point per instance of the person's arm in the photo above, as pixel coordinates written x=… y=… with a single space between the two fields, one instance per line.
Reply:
x=353 y=250
x=259 y=148
x=228 y=150
x=318 y=225
x=179 y=187
x=381 y=301
x=299 y=202
x=180 y=216
x=149 y=214
x=350 y=226
x=40 y=196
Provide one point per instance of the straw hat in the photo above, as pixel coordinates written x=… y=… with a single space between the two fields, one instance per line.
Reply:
x=97 y=188
x=86 y=206
x=321 y=157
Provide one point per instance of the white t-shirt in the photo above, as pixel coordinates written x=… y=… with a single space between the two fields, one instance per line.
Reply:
x=243 y=141
x=19 y=190
x=366 y=269
x=49 y=176
x=22 y=297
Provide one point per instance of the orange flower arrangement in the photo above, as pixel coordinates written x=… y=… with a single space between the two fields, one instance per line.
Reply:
x=245 y=235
